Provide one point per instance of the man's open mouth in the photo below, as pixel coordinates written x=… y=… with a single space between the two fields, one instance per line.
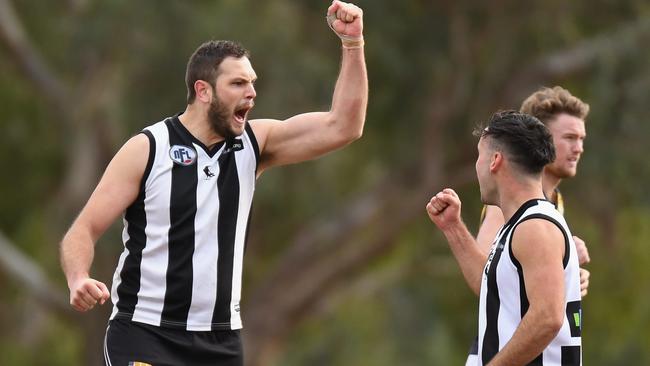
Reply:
x=241 y=112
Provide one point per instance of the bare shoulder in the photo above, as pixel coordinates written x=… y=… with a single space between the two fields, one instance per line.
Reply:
x=136 y=144
x=537 y=237
x=493 y=212
x=540 y=228
x=261 y=129
x=131 y=160
x=492 y=220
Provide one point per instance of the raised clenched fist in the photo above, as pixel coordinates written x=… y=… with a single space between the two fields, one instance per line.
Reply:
x=444 y=209
x=346 y=20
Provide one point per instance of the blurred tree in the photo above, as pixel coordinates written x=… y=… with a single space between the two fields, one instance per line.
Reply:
x=352 y=274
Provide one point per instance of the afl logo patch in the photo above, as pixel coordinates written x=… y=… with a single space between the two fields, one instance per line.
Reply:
x=183 y=155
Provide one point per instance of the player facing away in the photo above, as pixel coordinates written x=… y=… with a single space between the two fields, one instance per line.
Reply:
x=528 y=285
x=185 y=187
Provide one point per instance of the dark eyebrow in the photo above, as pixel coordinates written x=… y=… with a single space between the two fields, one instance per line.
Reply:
x=241 y=78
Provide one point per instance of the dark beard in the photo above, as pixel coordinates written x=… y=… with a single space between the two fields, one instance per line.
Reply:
x=219 y=119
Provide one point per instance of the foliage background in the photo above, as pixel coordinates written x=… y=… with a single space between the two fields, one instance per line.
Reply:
x=343 y=266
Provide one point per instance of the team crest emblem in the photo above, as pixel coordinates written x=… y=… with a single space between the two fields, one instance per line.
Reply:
x=183 y=155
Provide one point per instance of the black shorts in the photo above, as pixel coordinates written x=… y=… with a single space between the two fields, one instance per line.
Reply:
x=130 y=343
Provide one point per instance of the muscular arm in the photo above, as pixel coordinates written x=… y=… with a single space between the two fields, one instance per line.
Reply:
x=310 y=135
x=538 y=245
x=117 y=189
x=444 y=211
x=492 y=222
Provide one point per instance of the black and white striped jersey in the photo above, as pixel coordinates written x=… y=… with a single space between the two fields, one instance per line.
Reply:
x=185 y=233
x=559 y=206
x=503 y=300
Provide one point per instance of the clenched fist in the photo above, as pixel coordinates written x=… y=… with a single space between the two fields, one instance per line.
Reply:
x=346 y=20
x=86 y=293
x=444 y=209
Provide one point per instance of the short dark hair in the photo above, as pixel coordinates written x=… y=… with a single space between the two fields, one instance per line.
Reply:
x=523 y=138
x=205 y=61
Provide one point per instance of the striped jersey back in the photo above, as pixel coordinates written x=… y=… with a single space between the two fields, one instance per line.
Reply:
x=184 y=235
x=503 y=301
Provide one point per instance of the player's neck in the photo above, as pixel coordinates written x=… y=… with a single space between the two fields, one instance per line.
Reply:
x=196 y=122
x=550 y=182
x=515 y=196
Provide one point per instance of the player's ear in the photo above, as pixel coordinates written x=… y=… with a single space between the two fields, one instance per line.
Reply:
x=496 y=161
x=203 y=91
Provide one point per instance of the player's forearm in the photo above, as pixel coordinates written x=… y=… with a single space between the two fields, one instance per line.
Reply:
x=533 y=335
x=77 y=252
x=350 y=99
x=470 y=259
